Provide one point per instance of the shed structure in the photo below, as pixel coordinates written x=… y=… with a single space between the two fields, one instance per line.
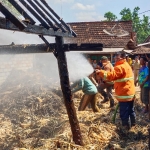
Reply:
x=50 y=25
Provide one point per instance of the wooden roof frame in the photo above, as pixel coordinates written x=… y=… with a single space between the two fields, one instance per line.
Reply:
x=47 y=27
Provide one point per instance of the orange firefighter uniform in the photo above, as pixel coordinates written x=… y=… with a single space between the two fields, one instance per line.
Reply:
x=123 y=80
x=122 y=76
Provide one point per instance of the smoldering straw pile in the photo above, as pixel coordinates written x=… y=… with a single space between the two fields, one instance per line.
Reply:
x=33 y=117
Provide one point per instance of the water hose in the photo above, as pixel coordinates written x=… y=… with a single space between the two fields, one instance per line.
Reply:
x=115 y=113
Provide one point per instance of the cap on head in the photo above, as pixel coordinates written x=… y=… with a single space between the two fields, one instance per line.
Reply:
x=122 y=54
x=104 y=58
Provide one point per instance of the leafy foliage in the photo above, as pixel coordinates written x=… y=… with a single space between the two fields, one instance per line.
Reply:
x=110 y=16
x=141 y=25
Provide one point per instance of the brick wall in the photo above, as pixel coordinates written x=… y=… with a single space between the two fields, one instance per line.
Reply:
x=10 y=62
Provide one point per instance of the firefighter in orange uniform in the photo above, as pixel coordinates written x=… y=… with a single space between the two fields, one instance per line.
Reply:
x=124 y=88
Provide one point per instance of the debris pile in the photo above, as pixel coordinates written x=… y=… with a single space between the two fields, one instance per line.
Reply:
x=33 y=117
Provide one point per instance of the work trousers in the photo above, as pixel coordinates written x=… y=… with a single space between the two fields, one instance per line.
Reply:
x=86 y=99
x=144 y=95
x=136 y=74
x=108 y=87
x=126 y=112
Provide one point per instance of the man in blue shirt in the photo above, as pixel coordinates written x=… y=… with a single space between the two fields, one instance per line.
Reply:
x=144 y=83
x=90 y=93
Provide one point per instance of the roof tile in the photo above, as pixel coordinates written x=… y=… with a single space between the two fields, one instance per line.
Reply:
x=92 y=32
x=141 y=50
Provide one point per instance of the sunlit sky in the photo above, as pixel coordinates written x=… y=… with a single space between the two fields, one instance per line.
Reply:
x=94 y=10
x=78 y=11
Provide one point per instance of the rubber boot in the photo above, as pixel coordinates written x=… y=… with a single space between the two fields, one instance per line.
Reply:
x=124 y=130
x=125 y=122
x=133 y=122
x=111 y=103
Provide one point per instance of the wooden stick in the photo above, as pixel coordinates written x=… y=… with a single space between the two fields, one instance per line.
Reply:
x=149 y=105
x=148 y=137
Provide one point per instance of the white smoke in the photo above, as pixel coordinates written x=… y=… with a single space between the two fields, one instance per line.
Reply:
x=7 y=37
x=78 y=66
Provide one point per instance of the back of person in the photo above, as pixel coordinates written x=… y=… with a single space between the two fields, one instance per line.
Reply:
x=126 y=82
x=106 y=84
x=143 y=73
x=88 y=86
x=94 y=64
x=129 y=60
x=124 y=88
x=136 y=65
x=144 y=83
x=100 y=64
x=108 y=67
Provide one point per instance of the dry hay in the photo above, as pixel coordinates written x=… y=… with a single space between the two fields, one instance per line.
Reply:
x=33 y=117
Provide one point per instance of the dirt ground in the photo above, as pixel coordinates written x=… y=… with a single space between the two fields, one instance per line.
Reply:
x=33 y=117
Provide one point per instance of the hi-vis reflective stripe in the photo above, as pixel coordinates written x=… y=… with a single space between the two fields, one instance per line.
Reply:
x=110 y=82
x=124 y=97
x=124 y=79
x=105 y=75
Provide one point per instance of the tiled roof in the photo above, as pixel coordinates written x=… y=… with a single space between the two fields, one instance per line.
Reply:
x=141 y=50
x=92 y=32
x=147 y=40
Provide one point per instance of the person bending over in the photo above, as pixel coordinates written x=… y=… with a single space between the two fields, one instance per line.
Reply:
x=90 y=94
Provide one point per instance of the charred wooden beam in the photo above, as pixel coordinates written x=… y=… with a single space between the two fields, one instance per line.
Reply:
x=50 y=45
x=43 y=38
x=65 y=86
x=50 y=16
x=43 y=23
x=22 y=11
x=42 y=15
x=37 y=48
x=148 y=137
x=85 y=47
x=33 y=29
x=11 y=17
x=24 y=49
x=149 y=102
x=60 y=19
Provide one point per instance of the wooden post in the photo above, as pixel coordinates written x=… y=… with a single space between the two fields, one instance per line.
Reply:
x=149 y=105
x=65 y=86
x=149 y=90
x=148 y=137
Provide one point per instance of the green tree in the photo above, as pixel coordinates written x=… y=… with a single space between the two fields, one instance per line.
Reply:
x=140 y=26
x=110 y=16
x=126 y=14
